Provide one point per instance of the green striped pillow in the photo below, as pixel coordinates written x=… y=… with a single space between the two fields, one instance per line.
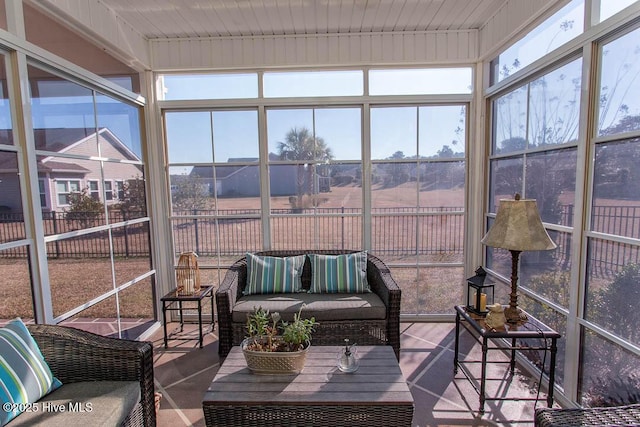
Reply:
x=339 y=273
x=24 y=374
x=273 y=275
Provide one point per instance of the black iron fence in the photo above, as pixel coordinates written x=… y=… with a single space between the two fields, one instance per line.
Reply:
x=129 y=240
x=395 y=232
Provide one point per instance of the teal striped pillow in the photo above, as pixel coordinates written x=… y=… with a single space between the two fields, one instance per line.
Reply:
x=339 y=273
x=273 y=275
x=24 y=375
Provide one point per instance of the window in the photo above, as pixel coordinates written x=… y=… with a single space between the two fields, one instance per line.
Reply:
x=613 y=255
x=428 y=81
x=120 y=190
x=315 y=173
x=609 y=8
x=313 y=83
x=215 y=183
x=534 y=153
x=619 y=106
x=64 y=188
x=94 y=191
x=208 y=86
x=100 y=137
x=418 y=200
x=563 y=26
x=315 y=186
x=108 y=190
x=43 y=193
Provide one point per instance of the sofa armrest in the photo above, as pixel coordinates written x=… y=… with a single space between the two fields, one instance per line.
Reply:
x=226 y=296
x=382 y=284
x=75 y=355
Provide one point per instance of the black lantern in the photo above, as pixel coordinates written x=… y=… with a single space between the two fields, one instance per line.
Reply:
x=479 y=292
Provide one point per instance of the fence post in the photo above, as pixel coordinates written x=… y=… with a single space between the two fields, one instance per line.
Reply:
x=126 y=235
x=342 y=228
x=195 y=224
x=54 y=216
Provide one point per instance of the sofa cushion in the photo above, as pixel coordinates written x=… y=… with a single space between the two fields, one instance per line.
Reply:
x=345 y=273
x=86 y=403
x=24 y=375
x=327 y=307
x=273 y=275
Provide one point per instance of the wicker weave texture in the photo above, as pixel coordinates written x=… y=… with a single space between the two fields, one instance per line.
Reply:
x=364 y=332
x=74 y=355
x=613 y=416
x=308 y=416
x=263 y=362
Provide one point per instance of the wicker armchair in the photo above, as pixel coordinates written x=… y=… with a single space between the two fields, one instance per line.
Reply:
x=74 y=355
x=363 y=331
x=628 y=415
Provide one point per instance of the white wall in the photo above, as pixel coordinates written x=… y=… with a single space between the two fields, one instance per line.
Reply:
x=440 y=47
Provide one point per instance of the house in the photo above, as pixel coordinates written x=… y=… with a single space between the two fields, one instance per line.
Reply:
x=244 y=180
x=60 y=176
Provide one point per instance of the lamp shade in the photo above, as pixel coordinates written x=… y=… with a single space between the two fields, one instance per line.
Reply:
x=518 y=227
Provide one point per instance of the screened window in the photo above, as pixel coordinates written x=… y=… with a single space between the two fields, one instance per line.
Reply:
x=208 y=86
x=428 y=81
x=619 y=106
x=563 y=26
x=609 y=8
x=313 y=83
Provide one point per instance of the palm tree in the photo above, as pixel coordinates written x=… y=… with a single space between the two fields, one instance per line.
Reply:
x=300 y=144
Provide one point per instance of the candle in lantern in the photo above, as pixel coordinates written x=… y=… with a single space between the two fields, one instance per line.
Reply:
x=483 y=302
x=188 y=284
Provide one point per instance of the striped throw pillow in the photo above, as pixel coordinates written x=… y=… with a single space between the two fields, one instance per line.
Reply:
x=273 y=275
x=24 y=374
x=339 y=273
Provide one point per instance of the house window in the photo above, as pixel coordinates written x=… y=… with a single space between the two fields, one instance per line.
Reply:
x=64 y=188
x=120 y=189
x=94 y=190
x=108 y=190
x=43 y=193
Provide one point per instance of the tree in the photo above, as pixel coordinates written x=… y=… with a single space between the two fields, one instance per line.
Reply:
x=134 y=202
x=190 y=193
x=84 y=208
x=301 y=144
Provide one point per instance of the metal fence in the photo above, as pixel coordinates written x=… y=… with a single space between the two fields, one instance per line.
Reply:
x=395 y=232
x=129 y=240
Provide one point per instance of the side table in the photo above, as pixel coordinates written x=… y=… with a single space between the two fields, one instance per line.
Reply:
x=532 y=329
x=168 y=304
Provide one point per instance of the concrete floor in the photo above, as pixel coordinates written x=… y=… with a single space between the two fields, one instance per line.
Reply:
x=183 y=372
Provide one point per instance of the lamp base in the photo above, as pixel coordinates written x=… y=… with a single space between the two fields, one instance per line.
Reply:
x=515 y=315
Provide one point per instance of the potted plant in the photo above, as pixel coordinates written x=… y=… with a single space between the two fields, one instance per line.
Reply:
x=273 y=346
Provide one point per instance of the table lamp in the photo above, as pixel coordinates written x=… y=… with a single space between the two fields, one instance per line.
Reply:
x=517 y=228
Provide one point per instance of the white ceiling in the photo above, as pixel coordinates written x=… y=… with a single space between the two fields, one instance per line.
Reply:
x=159 y=19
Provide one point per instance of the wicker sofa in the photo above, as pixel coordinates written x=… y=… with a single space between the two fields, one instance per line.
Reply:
x=88 y=365
x=366 y=319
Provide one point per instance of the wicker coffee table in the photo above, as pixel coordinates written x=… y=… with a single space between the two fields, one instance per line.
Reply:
x=376 y=394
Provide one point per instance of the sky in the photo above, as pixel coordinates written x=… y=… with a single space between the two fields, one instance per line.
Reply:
x=235 y=135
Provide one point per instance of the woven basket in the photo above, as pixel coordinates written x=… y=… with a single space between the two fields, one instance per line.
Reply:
x=274 y=363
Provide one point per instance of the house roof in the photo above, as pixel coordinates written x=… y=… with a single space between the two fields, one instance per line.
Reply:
x=60 y=140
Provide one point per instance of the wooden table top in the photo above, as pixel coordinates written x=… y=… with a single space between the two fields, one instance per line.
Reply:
x=378 y=381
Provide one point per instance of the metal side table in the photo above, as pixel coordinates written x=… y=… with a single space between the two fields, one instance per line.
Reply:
x=523 y=336
x=172 y=298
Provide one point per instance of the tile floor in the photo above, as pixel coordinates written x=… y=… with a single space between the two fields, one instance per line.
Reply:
x=183 y=372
